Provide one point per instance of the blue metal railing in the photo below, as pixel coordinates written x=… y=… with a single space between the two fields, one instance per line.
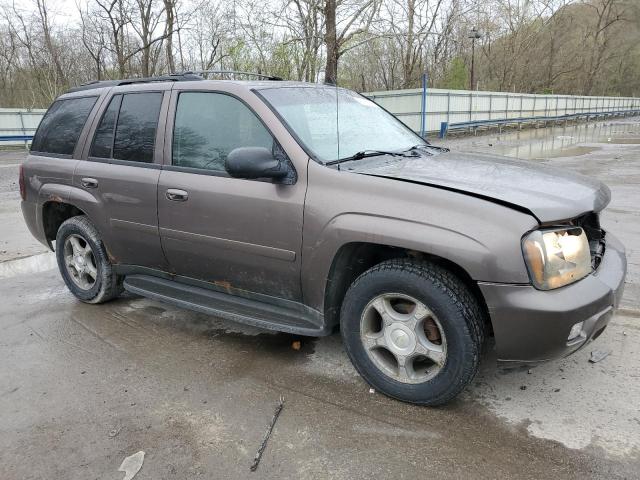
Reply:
x=446 y=126
x=16 y=138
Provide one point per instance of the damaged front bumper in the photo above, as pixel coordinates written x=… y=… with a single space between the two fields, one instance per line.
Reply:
x=532 y=326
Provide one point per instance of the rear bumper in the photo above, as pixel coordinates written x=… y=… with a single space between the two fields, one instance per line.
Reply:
x=532 y=326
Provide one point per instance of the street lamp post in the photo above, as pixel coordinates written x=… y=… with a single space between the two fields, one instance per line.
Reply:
x=473 y=35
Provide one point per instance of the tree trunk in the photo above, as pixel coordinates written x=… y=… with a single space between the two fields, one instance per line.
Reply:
x=169 y=28
x=408 y=60
x=331 y=43
x=44 y=19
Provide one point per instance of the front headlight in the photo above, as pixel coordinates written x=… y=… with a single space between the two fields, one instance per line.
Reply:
x=556 y=256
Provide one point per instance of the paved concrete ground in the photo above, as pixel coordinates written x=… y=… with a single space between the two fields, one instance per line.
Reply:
x=82 y=387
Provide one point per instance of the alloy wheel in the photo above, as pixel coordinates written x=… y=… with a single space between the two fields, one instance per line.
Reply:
x=403 y=338
x=80 y=261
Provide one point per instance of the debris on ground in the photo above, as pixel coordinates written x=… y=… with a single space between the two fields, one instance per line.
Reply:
x=296 y=345
x=599 y=355
x=523 y=387
x=114 y=433
x=263 y=445
x=371 y=390
x=132 y=465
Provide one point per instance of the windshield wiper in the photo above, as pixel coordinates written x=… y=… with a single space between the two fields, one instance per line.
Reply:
x=425 y=145
x=365 y=154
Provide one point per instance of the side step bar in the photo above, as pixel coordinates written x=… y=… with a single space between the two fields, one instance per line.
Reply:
x=230 y=307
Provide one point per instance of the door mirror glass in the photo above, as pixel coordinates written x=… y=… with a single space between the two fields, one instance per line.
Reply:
x=255 y=162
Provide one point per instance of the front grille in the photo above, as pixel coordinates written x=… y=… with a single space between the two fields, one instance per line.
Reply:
x=590 y=223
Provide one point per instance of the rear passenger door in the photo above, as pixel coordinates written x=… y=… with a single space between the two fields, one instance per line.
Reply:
x=120 y=175
x=237 y=234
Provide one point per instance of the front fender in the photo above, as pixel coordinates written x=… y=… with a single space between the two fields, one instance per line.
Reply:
x=469 y=253
x=481 y=237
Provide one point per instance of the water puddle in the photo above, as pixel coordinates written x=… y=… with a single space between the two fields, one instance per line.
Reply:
x=621 y=141
x=26 y=265
x=574 y=151
x=564 y=141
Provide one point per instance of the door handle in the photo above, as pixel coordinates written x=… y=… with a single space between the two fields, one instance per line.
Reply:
x=89 y=182
x=177 y=195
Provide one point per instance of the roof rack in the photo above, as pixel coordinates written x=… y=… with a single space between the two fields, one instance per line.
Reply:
x=204 y=73
x=172 y=77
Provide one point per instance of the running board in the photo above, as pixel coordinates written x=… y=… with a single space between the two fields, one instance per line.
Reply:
x=230 y=307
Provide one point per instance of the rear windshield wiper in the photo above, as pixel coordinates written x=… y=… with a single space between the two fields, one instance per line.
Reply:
x=365 y=154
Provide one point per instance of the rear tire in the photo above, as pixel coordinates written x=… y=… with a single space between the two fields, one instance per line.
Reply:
x=84 y=263
x=413 y=330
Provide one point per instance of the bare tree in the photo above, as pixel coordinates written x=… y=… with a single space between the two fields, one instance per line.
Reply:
x=169 y=29
x=606 y=14
x=531 y=46
x=344 y=20
x=94 y=39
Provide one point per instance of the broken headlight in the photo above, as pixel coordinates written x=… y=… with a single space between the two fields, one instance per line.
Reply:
x=556 y=256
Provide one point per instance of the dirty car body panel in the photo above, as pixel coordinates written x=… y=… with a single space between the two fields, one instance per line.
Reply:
x=275 y=243
x=232 y=232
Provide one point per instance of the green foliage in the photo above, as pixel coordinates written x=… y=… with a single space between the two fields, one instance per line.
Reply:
x=282 y=60
x=457 y=75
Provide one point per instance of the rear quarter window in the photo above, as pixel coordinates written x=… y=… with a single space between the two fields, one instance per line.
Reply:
x=60 y=127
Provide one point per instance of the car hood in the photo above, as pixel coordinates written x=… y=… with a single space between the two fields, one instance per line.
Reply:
x=549 y=193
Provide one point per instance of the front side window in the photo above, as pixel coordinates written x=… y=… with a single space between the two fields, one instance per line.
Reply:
x=127 y=130
x=334 y=123
x=209 y=125
x=60 y=128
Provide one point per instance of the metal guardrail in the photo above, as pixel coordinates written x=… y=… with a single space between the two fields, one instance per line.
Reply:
x=423 y=110
x=18 y=125
x=446 y=126
x=17 y=138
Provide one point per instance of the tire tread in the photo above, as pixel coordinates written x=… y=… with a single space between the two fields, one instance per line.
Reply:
x=111 y=286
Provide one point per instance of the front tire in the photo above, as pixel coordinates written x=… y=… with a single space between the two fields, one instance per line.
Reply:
x=413 y=330
x=84 y=263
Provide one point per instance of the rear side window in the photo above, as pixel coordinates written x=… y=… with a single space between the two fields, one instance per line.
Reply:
x=60 y=128
x=127 y=130
x=209 y=125
x=103 y=140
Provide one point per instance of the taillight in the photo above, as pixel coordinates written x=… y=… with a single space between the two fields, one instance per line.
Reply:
x=23 y=190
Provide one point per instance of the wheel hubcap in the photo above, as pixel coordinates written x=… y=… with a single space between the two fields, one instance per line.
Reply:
x=400 y=339
x=80 y=262
x=403 y=338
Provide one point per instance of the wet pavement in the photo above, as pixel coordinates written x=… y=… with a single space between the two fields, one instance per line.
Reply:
x=15 y=240
x=82 y=387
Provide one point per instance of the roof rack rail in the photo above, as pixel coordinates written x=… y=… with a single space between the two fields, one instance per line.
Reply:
x=204 y=73
x=174 y=77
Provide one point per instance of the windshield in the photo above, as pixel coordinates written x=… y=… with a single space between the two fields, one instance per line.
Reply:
x=333 y=128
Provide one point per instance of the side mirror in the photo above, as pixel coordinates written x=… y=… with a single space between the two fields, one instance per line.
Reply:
x=254 y=162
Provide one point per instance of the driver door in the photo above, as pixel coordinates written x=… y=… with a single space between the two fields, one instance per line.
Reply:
x=236 y=234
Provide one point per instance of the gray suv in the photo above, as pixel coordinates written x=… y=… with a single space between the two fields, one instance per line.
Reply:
x=306 y=209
